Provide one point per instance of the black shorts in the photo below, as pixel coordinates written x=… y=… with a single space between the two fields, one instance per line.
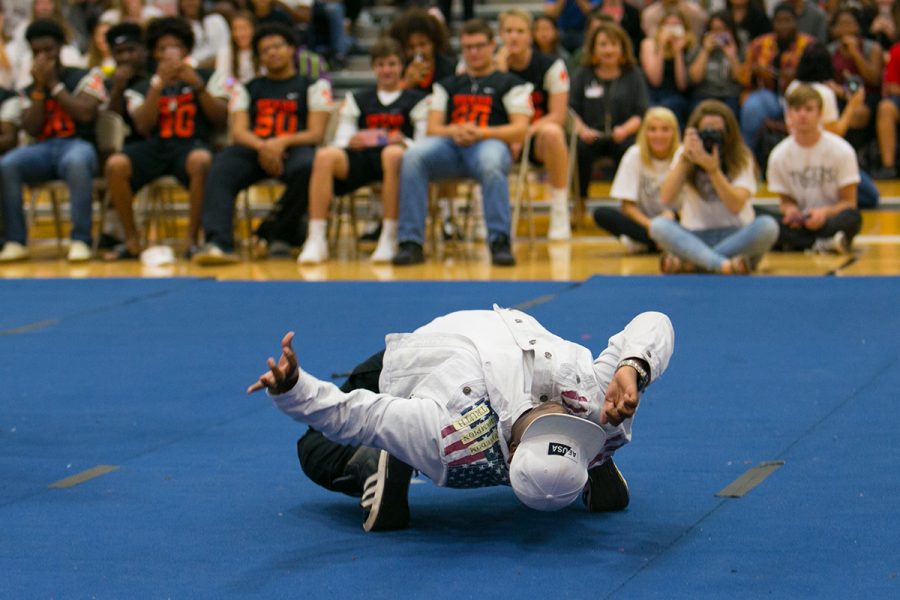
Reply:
x=532 y=154
x=154 y=158
x=364 y=169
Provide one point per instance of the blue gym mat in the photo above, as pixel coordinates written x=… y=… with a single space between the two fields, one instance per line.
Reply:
x=208 y=500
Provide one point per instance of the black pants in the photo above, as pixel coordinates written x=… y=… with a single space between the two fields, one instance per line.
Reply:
x=791 y=240
x=322 y=460
x=236 y=168
x=589 y=153
x=618 y=223
x=446 y=7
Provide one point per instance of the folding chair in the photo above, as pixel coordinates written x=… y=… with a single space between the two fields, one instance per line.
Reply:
x=521 y=187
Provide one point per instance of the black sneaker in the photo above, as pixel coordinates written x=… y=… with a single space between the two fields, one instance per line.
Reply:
x=362 y=465
x=371 y=235
x=883 y=173
x=385 y=501
x=501 y=254
x=606 y=489
x=410 y=253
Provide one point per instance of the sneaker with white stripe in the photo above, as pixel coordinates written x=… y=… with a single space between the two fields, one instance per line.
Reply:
x=385 y=501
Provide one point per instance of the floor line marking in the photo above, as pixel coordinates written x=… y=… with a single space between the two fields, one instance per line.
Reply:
x=750 y=479
x=84 y=476
x=30 y=327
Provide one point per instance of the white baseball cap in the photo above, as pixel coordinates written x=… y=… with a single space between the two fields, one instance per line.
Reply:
x=549 y=467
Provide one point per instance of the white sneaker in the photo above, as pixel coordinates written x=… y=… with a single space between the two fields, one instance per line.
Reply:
x=385 y=251
x=79 y=252
x=315 y=251
x=560 y=228
x=632 y=246
x=13 y=251
x=836 y=244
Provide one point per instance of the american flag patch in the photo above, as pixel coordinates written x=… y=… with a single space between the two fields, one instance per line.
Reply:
x=472 y=450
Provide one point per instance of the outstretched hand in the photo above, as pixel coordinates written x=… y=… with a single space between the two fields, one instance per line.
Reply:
x=280 y=377
x=622 y=397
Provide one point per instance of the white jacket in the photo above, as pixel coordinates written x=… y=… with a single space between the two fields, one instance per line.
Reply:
x=452 y=390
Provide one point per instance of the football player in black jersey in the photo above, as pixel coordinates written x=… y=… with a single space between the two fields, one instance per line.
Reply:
x=126 y=44
x=550 y=98
x=376 y=125
x=59 y=111
x=177 y=110
x=276 y=123
x=473 y=119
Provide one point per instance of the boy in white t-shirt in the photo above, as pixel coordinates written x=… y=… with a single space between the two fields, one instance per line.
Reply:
x=816 y=175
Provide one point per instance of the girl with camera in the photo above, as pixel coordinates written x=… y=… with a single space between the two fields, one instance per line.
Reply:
x=713 y=177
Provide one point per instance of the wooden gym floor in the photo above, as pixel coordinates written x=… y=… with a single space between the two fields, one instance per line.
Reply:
x=591 y=252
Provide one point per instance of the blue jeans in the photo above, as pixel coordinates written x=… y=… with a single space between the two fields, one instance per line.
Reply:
x=437 y=158
x=70 y=159
x=673 y=100
x=867 y=195
x=759 y=106
x=709 y=248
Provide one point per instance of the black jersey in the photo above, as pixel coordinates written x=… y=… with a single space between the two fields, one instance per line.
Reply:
x=278 y=107
x=180 y=114
x=535 y=74
x=130 y=94
x=478 y=100
x=57 y=122
x=393 y=117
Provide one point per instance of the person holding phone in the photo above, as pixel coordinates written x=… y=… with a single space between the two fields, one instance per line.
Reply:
x=376 y=125
x=652 y=15
x=176 y=111
x=815 y=175
x=713 y=178
x=663 y=60
x=716 y=63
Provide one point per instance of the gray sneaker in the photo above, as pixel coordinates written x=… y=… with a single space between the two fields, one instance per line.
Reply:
x=384 y=501
x=839 y=243
x=210 y=255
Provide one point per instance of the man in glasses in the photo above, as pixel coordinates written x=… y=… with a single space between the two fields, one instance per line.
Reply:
x=473 y=119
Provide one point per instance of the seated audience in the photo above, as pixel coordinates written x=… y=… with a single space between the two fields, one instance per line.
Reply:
x=19 y=50
x=546 y=38
x=714 y=179
x=857 y=61
x=714 y=66
x=212 y=38
x=811 y=19
x=623 y=14
x=140 y=12
x=885 y=24
x=276 y=123
x=376 y=126
x=176 y=111
x=888 y=116
x=750 y=21
x=609 y=96
x=816 y=70
x=652 y=16
x=770 y=65
x=550 y=99
x=637 y=182
x=815 y=175
x=242 y=64
x=571 y=19
x=424 y=40
x=59 y=110
x=473 y=119
x=126 y=44
x=663 y=59
x=98 y=54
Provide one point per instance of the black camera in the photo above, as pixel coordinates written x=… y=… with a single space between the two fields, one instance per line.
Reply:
x=711 y=138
